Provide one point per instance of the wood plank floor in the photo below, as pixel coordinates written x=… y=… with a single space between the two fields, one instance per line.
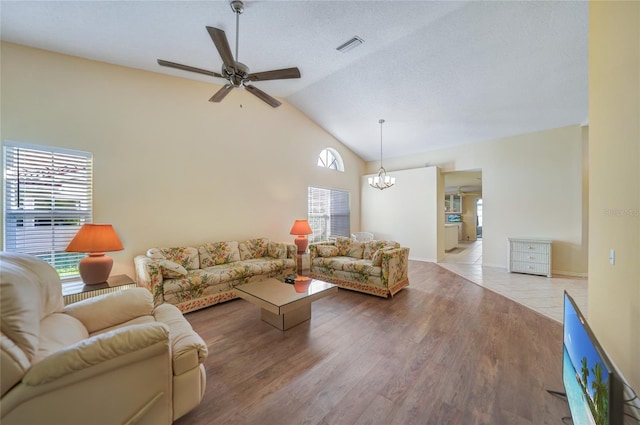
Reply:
x=442 y=351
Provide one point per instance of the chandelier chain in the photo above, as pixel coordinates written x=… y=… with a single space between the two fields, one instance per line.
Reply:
x=381 y=181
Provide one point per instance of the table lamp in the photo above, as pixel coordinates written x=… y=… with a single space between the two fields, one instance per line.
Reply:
x=301 y=228
x=95 y=240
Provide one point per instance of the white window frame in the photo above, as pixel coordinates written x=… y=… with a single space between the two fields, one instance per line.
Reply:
x=329 y=213
x=330 y=158
x=47 y=198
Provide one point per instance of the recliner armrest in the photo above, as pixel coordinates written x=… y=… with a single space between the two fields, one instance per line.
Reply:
x=98 y=349
x=188 y=348
x=108 y=310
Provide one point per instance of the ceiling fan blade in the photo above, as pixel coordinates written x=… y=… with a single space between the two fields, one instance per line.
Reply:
x=188 y=68
x=263 y=96
x=278 y=74
x=221 y=94
x=222 y=44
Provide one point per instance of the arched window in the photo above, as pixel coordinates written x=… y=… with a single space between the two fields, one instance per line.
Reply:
x=330 y=158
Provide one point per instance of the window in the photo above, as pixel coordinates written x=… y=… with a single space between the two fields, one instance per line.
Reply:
x=330 y=158
x=47 y=198
x=328 y=213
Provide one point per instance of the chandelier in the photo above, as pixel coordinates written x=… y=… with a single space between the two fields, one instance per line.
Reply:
x=381 y=181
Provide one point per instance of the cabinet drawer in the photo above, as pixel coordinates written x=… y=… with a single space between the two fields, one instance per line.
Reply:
x=532 y=268
x=530 y=257
x=542 y=248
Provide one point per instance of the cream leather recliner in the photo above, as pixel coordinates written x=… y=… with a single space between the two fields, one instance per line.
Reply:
x=112 y=359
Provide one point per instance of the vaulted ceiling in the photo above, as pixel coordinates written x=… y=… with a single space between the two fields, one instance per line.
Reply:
x=441 y=73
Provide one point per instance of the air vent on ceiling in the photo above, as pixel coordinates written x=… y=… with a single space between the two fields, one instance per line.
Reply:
x=351 y=44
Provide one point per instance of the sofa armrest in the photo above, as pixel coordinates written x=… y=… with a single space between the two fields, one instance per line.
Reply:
x=108 y=310
x=395 y=266
x=116 y=344
x=149 y=275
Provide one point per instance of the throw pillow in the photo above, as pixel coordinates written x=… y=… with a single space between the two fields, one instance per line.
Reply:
x=376 y=260
x=254 y=248
x=187 y=256
x=155 y=253
x=171 y=270
x=277 y=250
x=342 y=244
x=327 y=250
x=212 y=254
x=371 y=247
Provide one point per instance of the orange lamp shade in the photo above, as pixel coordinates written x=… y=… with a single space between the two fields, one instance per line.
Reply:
x=301 y=228
x=95 y=240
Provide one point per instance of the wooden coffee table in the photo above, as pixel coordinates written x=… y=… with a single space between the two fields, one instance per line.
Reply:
x=284 y=305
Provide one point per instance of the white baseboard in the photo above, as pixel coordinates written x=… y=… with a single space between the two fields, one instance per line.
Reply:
x=425 y=260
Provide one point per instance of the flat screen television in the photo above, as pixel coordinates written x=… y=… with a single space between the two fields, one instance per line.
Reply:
x=594 y=391
x=454 y=218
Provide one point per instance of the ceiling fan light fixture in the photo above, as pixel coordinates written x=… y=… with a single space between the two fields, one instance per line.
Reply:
x=350 y=44
x=381 y=181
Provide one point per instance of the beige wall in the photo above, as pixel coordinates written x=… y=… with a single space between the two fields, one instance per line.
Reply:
x=170 y=167
x=407 y=212
x=614 y=169
x=531 y=186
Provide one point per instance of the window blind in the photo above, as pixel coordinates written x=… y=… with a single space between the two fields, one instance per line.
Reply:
x=47 y=198
x=329 y=214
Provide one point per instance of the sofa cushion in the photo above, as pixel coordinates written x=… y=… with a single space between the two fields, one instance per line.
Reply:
x=216 y=253
x=277 y=250
x=335 y=263
x=58 y=331
x=253 y=248
x=171 y=270
x=349 y=248
x=355 y=250
x=371 y=247
x=187 y=256
x=327 y=250
x=362 y=267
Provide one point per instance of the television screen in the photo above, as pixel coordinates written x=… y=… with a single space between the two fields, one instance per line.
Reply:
x=593 y=392
x=454 y=218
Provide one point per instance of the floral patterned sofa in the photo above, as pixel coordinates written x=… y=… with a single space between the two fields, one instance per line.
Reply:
x=193 y=278
x=375 y=267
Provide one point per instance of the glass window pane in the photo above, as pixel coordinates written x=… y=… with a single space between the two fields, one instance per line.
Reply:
x=328 y=213
x=47 y=198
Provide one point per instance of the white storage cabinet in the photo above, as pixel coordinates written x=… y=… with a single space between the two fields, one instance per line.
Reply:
x=529 y=255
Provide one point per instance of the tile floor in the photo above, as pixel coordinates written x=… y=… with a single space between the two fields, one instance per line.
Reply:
x=540 y=293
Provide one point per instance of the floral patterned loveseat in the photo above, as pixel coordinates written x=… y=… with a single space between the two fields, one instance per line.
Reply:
x=375 y=267
x=193 y=278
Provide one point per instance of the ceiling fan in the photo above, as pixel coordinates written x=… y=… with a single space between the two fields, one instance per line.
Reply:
x=236 y=73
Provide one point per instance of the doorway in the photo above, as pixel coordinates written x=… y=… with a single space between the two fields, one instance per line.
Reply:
x=479 y=218
x=463 y=208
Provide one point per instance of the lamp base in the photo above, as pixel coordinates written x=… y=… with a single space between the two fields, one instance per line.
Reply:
x=95 y=268
x=302 y=243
